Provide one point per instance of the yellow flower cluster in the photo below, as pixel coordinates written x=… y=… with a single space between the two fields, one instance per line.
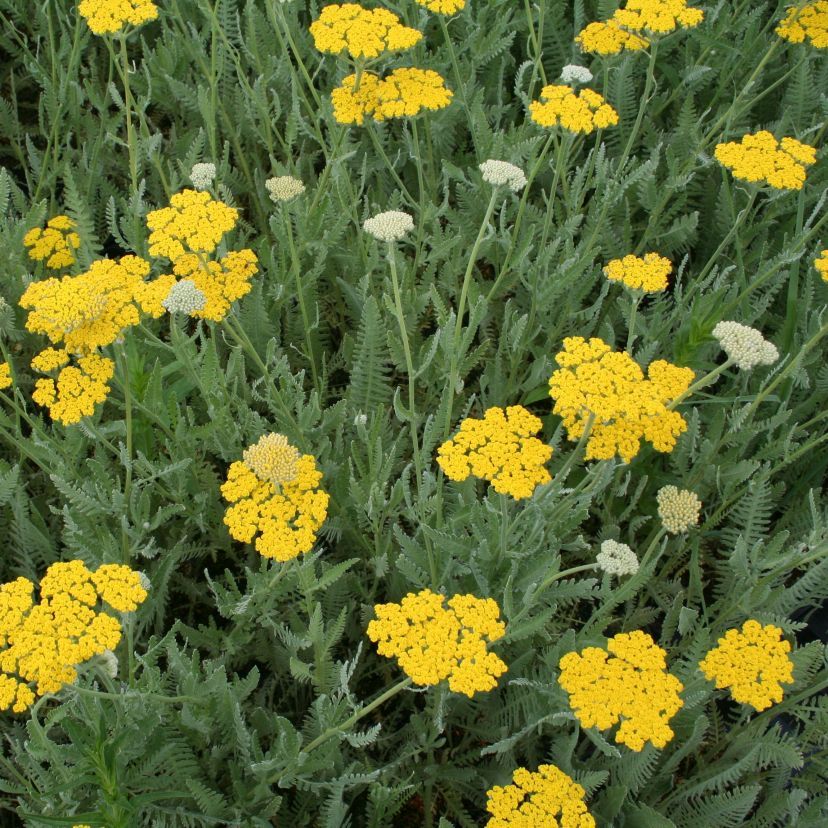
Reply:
x=648 y=274
x=276 y=499
x=545 y=799
x=626 y=407
x=821 y=264
x=753 y=662
x=403 y=93
x=761 y=158
x=624 y=29
x=433 y=642
x=363 y=33
x=5 y=376
x=186 y=232
x=77 y=389
x=810 y=21
x=443 y=6
x=43 y=644
x=55 y=243
x=627 y=683
x=110 y=16
x=582 y=111
x=499 y=448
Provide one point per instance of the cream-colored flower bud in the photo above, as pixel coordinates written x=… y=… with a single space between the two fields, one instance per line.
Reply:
x=202 y=175
x=284 y=188
x=617 y=558
x=390 y=226
x=679 y=509
x=745 y=345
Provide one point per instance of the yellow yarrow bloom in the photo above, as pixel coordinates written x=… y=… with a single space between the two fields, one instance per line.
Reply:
x=810 y=21
x=5 y=375
x=628 y=683
x=761 y=158
x=193 y=223
x=546 y=798
x=499 y=448
x=78 y=389
x=648 y=274
x=50 y=359
x=658 y=16
x=752 y=662
x=283 y=517
x=821 y=264
x=362 y=33
x=110 y=16
x=582 y=111
x=443 y=6
x=55 y=243
x=402 y=94
x=433 y=642
x=608 y=38
x=626 y=406
x=43 y=643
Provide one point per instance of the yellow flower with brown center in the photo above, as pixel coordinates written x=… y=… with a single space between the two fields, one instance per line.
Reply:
x=55 y=244
x=625 y=683
x=434 y=640
x=753 y=663
x=581 y=112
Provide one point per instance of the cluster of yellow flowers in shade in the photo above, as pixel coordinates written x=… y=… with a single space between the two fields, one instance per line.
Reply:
x=81 y=314
x=443 y=6
x=762 y=158
x=5 y=376
x=186 y=233
x=403 y=93
x=434 y=640
x=810 y=21
x=628 y=683
x=631 y=28
x=648 y=274
x=276 y=499
x=752 y=662
x=501 y=448
x=609 y=387
x=546 y=798
x=821 y=264
x=362 y=33
x=55 y=244
x=582 y=112
x=42 y=644
x=110 y=16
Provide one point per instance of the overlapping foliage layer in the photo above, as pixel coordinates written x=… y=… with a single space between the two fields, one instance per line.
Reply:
x=570 y=576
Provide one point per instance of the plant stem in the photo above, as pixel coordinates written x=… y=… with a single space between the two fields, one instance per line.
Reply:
x=133 y=157
x=123 y=369
x=631 y=330
x=706 y=380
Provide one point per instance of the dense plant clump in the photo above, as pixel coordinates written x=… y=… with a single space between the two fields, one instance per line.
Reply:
x=413 y=413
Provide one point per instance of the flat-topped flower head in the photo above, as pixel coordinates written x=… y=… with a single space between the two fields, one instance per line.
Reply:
x=390 y=226
x=625 y=406
x=5 y=376
x=572 y=74
x=609 y=38
x=43 y=643
x=753 y=663
x=184 y=297
x=54 y=245
x=745 y=345
x=809 y=22
x=111 y=16
x=77 y=389
x=503 y=174
x=580 y=112
x=546 y=797
x=648 y=273
x=679 y=509
x=821 y=265
x=501 y=448
x=625 y=683
x=434 y=640
x=284 y=188
x=404 y=93
x=202 y=175
x=272 y=458
x=761 y=158
x=617 y=559
x=194 y=222
x=657 y=17
x=443 y=6
x=361 y=33
x=276 y=499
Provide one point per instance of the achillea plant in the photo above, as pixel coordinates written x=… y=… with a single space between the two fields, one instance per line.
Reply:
x=580 y=112
x=806 y=22
x=761 y=158
x=361 y=32
x=55 y=245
